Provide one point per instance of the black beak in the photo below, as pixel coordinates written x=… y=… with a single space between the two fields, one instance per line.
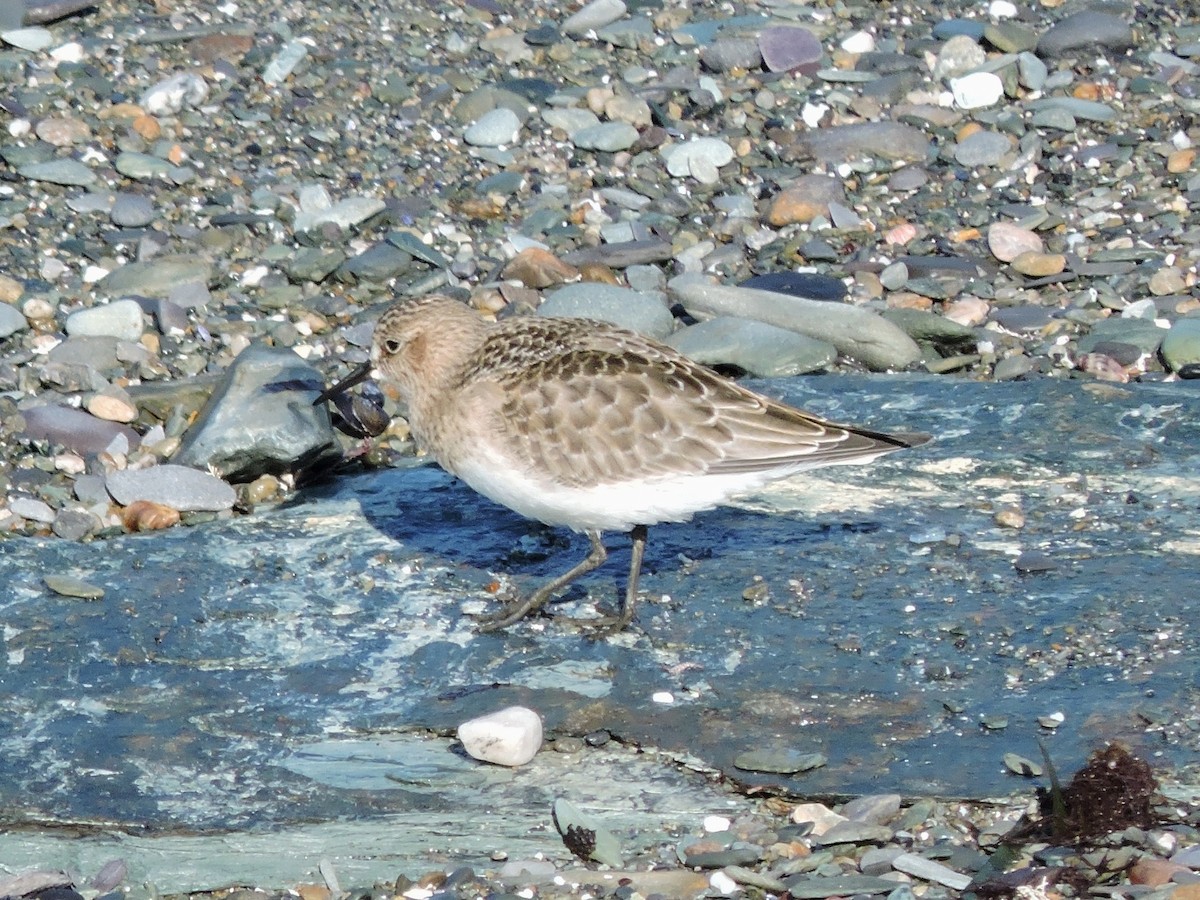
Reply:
x=358 y=376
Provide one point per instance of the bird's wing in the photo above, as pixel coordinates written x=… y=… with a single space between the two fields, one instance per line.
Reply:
x=622 y=408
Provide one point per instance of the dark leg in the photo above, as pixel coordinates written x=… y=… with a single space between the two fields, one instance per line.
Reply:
x=519 y=609
x=612 y=624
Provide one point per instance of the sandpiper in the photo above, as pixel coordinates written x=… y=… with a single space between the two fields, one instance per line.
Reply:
x=582 y=424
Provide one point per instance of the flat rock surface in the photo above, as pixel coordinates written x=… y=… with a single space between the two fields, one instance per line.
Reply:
x=256 y=674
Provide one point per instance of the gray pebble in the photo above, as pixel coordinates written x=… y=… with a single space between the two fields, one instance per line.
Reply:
x=638 y=312
x=787 y=47
x=119 y=319
x=11 y=320
x=727 y=53
x=132 y=211
x=1084 y=30
x=179 y=487
x=69 y=172
x=608 y=137
x=75 y=429
x=760 y=350
x=31 y=508
x=594 y=15
x=494 y=128
x=928 y=870
x=983 y=148
x=1181 y=345
x=157 y=277
x=886 y=140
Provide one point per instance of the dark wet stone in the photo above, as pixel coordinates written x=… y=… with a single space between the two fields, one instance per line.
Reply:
x=926 y=326
x=261 y=420
x=786 y=761
x=542 y=35
x=623 y=254
x=75 y=429
x=1030 y=562
x=74 y=524
x=1085 y=29
x=800 y=284
x=883 y=63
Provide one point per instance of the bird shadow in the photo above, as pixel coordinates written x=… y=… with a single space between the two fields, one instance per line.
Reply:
x=435 y=516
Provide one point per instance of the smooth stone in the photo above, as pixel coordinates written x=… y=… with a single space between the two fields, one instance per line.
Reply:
x=494 y=128
x=1010 y=37
x=856 y=833
x=66 y=172
x=508 y=737
x=120 y=319
x=857 y=333
x=608 y=137
x=816 y=887
x=1007 y=241
x=1141 y=333
x=260 y=419
x=977 y=90
x=728 y=53
x=1085 y=29
x=983 y=148
x=1028 y=562
x=804 y=199
x=11 y=320
x=345 y=214
x=788 y=47
x=570 y=119
x=179 y=487
x=699 y=158
x=75 y=429
x=786 y=761
x=1181 y=344
x=878 y=860
x=594 y=15
x=1039 y=265
x=1089 y=110
x=70 y=586
x=157 y=277
x=1012 y=367
x=886 y=140
x=1031 y=71
x=31 y=508
x=619 y=306
x=145 y=167
x=1020 y=765
x=758 y=349
x=132 y=211
x=377 y=264
x=948 y=28
x=33 y=40
x=928 y=870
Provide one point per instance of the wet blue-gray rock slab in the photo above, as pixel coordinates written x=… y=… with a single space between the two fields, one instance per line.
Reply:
x=240 y=676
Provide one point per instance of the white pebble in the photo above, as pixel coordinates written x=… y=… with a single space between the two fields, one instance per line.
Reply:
x=68 y=53
x=663 y=697
x=1002 y=9
x=722 y=883
x=713 y=824
x=859 y=42
x=508 y=737
x=977 y=90
x=170 y=96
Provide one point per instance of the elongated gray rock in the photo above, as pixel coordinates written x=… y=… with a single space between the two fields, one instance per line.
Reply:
x=179 y=487
x=857 y=333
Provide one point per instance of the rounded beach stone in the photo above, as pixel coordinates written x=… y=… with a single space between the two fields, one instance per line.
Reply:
x=508 y=737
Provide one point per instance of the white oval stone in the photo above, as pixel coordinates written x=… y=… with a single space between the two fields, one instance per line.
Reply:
x=977 y=90
x=508 y=737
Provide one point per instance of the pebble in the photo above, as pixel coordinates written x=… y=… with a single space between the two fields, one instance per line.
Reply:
x=701 y=158
x=496 y=128
x=178 y=487
x=928 y=870
x=983 y=148
x=11 y=320
x=508 y=737
x=1180 y=346
x=1007 y=241
x=1084 y=30
x=638 y=312
x=785 y=48
x=68 y=172
x=977 y=90
x=608 y=137
x=593 y=15
x=170 y=96
x=120 y=319
x=758 y=349
x=132 y=210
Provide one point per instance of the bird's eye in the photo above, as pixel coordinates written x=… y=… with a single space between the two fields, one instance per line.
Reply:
x=392 y=346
